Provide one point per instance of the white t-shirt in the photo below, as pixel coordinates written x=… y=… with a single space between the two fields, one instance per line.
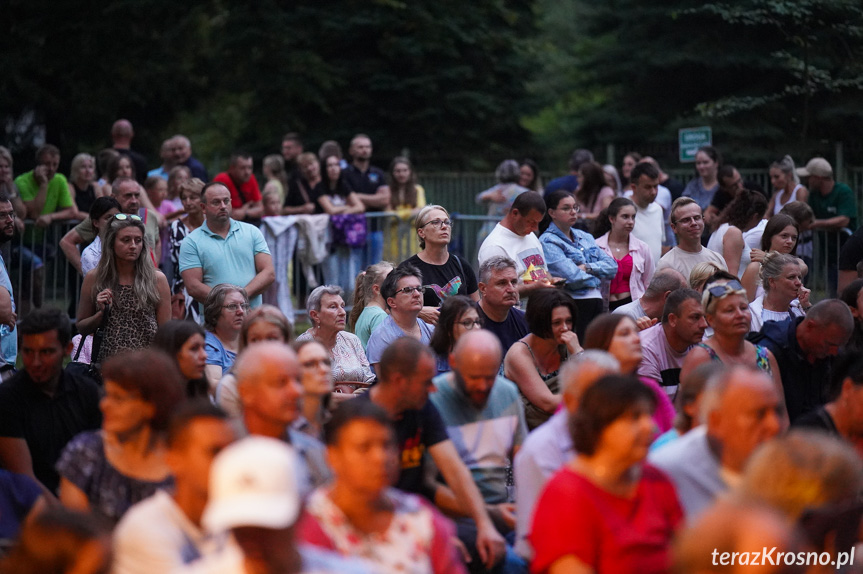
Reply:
x=684 y=261
x=633 y=310
x=760 y=314
x=716 y=244
x=663 y=199
x=659 y=361
x=752 y=238
x=650 y=228
x=525 y=251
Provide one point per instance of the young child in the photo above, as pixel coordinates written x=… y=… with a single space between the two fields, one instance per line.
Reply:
x=272 y=203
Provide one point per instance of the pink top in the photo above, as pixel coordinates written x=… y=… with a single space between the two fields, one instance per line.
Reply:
x=620 y=283
x=643 y=264
x=664 y=414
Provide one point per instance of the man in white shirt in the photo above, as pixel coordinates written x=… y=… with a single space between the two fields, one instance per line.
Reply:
x=649 y=222
x=687 y=221
x=514 y=238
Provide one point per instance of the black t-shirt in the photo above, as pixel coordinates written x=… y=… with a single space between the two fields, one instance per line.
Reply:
x=513 y=328
x=721 y=199
x=818 y=419
x=366 y=183
x=416 y=432
x=298 y=193
x=455 y=277
x=48 y=423
x=852 y=252
x=675 y=186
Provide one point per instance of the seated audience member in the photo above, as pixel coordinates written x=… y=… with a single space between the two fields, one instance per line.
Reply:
x=44 y=406
x=369 y=309
x=741 y=215
x=445 y=274
x=316 y=370
x=21 y=498
x=606 y=510
x=163 y=533
x=184 y=342
x=784 y=294
x=549 y=447
x=688 y=225
x=106 y=472
x=405 y=375
x=350 y=367
x=245 y=192
x=727 y=313
x=741 y=409
x=102 y=212
x=665 y=346
x=618 y=335
x=474 y=401
x=360 y=515
x=403 y=292
x=701 y=273
x=458 y=316
x=687 y=403
x=256 y=496
x=534 y=361
x=573 y=255
x=839 y=416
x=780 y=235
x=651 y=304
x=224 y=312
x=852 y=296
x=804 y=349
x=60 y=540
x=268 y=380
x=498 y=304
x=264 y=323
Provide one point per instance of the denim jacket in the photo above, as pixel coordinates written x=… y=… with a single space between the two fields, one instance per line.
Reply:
x=563 y=256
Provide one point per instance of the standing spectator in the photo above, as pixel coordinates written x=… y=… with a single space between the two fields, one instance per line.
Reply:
x=369 y=182
x=182 y=152
x=45 y=192
x=370 y=308
x=445 y=274
x=687 y=221
x=101 y=213
x=649 y=225
x=8 y=315
x=500 y=196
x=741 y=215
x=241 y=182
x=635 y=264
x=529 y=176
x=184 y=341
x=569 y=182
x=498 y=304
x=127 y=287
x=43 y=406
x=224 y=310
x=292 y=149
x=784 y=294
x=780 y=235
x=573 y=255
x=8 y=188
x=277 y=178
x=786 y=185
x=592 y=195
x=106 y=472
x=852 y=296
x=300 y=198
x=407 y=198
x=612 y=179
x=630 y=160
x=119 y=166
x=190 y=195
x=706 y=183
x=121 y=136
x=82 y=186
x=606 y=510
x=730 y=185
x=458 y=315
x=674 y=186
x=176 y=178
x=166 y=153
x=224 y=250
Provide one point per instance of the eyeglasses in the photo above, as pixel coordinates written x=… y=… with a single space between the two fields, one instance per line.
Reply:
x=720 y=291
x=437 y=223
x=471 y=323
x=7 y=215
x=125 y=216
x=570 y=209
x=234 y=307
x=410 y=290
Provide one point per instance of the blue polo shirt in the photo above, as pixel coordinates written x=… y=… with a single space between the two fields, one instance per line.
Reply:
x=8 y=338
x=224 y=260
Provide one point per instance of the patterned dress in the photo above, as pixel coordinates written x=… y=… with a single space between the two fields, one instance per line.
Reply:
x=350 y=363
x=176 y=235
x=129 y=326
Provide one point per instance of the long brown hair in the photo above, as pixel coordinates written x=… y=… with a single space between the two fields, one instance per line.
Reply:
x=408 y=195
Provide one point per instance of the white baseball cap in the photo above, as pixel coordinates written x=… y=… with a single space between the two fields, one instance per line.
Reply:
x=253 y=482
x=817 y=166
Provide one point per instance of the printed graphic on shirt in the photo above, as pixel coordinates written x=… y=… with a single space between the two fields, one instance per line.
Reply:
x=448 y=290
x=534 y=263
x=412 y=451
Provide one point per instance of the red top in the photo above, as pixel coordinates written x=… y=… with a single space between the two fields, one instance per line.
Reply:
x=620 y=283
x=250 y=190
x=609 y=533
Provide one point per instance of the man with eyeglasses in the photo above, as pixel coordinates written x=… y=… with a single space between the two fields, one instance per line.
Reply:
x=403 y=292
x=687 y=222
x=224 y=250
x=484 y=418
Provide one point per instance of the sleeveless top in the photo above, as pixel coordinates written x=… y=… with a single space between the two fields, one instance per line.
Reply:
x=761 y=360
x=534 y=415
x=129 y=326
x=777 y=207
x=620 y=283
x=84 y=198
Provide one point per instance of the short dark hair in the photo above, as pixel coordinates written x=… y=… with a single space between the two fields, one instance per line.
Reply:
x=388 y=287
x=401 y=357
x=349 y=411
x=849 y=294
x=675 y=301
x=602 y=403
x=210 y=185
x=133 y=371
x=849 y=365
x=540 y=305
x=189 y=412
x=47 y=150
x=47 y=319
x=292 y=137
x=101 y=206
x=240 y=154
x=643 y=168
x=528 y=201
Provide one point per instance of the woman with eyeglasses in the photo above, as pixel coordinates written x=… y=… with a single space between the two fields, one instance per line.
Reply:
x=458 y=315
x=127 y=287
x=533 y=361
x=726 y=308
x=444 y=274
x=224 y=311
x=574 y=255
x=350 y=366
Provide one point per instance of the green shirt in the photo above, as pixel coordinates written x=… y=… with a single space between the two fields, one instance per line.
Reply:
x=840 y=201
x=151 y=228
x=368 y=321
x=56 y=199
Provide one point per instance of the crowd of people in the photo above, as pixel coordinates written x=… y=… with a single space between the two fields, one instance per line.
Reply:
x=630 y=377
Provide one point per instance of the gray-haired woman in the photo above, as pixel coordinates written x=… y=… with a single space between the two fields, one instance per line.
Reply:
x=500 y=196
x=350 y=367
x=224 y=311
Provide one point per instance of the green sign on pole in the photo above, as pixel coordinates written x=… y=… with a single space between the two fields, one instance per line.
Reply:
x=690 y=139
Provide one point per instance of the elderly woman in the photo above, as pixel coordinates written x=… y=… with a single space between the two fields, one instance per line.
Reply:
x=224 y=311
x=534 y=361
x=458 y=315
x=327 y=313
x=607 y=510
x=360 y=515
x=574 y=255
x=784 y=294
x=500 y=196
x=108 y=470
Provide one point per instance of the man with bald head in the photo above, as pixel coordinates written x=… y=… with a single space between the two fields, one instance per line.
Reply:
x=268 y=382
x=742 y=409
x=549 y=446
x=181 y=152
x=121 y=136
